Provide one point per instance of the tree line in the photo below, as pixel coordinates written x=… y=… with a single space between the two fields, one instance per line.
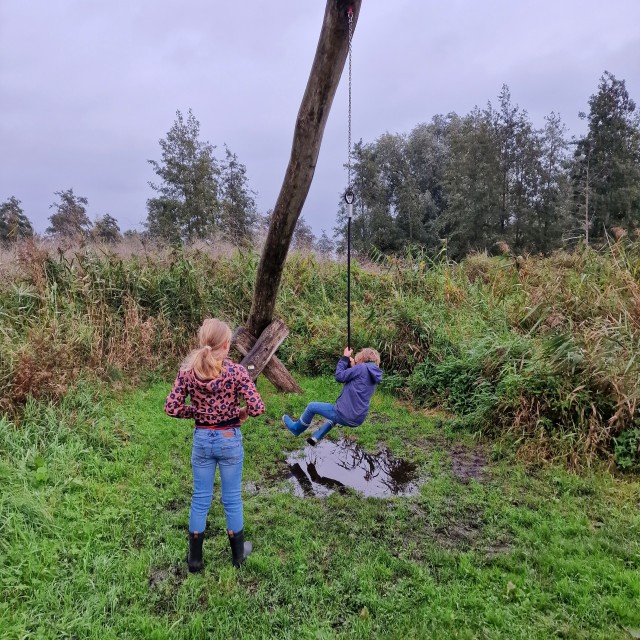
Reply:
x=69 y=221
x=468 y=183
x=197 y=196
x=479 y=181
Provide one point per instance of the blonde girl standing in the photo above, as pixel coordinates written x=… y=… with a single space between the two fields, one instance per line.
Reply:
x=216 y=387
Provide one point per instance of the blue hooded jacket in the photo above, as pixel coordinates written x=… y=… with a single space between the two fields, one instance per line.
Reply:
x=360 y=382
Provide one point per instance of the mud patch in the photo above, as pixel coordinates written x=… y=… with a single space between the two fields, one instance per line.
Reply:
x=459 y=535
x=157 y=577
x=272 y=480
x=497 y=548
x=468 y=464
x=461 y=531
x=464 y=530
x=339 y=466
x=252 y=488
x=160 y=577
x=175 y=573
x=378 y=418
x=164 y=584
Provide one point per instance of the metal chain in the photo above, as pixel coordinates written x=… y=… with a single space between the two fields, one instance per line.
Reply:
x=349 y=141
x=349 y=193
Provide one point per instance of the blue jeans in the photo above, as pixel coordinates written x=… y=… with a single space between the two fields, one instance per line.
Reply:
x=324 y=409
x=213 y=448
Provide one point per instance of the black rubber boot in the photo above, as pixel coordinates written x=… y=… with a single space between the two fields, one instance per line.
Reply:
x=194 y=559
x=239 y=548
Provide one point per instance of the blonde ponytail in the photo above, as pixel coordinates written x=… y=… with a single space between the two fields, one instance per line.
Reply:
x=206 y=361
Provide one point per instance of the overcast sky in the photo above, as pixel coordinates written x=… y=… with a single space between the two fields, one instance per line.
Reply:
x=88 y=87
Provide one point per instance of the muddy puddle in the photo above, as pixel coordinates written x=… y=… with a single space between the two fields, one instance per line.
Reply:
x=338 y=466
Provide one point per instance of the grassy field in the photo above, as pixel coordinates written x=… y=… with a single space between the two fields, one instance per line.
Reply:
x=94 y=510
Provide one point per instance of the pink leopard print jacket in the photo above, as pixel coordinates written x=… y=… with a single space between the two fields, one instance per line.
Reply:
x=214 y=403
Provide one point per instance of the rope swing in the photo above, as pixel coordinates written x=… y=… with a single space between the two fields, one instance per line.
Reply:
x=349 y=196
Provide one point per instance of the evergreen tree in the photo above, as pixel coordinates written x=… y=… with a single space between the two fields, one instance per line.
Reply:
x=398 y=188
x=492 y=176
x=552 y=207
x=263 y=221
x=163 y=216
x=372 y=225
x=106 y=229
x=492 y=180
x=188 y=203
x=519 y=149
x=14 y=224
x=405 y=201
x=474 y=186
x=325 y=246
x=239 y=212
x=303 y=238
x=427 y=151
x=70 y=219
x=607 y=161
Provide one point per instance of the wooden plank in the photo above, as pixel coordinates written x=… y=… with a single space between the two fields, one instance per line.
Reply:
x=274 y=371
x=324 y=77
x=266 y=345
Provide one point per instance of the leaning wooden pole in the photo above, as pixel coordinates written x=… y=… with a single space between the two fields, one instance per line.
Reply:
x=331 y=54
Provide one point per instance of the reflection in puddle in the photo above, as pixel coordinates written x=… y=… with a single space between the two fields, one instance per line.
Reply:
x=336 y=466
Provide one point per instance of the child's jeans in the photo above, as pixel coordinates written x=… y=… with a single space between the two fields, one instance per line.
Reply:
x=213 y=448
x=323 y=409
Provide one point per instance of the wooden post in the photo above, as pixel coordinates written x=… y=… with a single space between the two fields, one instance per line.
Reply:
x=274 y=370
x=264 y=348
x=331 y=54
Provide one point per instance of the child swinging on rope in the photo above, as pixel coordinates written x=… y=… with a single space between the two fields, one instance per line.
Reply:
x=360 y=376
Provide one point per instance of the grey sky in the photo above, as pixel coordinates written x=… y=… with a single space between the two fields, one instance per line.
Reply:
x=88 y=87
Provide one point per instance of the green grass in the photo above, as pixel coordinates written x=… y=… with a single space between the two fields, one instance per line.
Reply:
x=94 y=510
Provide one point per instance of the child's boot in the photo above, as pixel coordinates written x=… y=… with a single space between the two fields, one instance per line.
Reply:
x=296 y=427
x=194 y=559
x=320 y=433
x=239 y=548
